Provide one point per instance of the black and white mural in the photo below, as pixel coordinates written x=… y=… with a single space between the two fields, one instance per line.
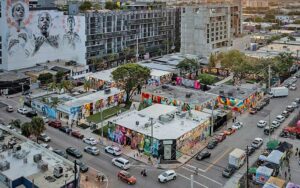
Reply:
x=40 y=36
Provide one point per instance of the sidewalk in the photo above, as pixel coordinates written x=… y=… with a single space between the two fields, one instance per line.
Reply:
x=89 y=180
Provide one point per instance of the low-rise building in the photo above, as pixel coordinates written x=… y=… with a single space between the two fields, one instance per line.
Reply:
x=160 y=130
x=24 y=163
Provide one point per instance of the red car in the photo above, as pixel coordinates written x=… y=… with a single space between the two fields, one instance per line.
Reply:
x=126 y=177
x=229 y=131
x=77 y=134
x=220 y=137
x=55 y=124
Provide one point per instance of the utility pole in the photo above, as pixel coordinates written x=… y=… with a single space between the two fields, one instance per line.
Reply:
x=247 y=164
x=137 y=48
x=151 y=119
x=192 y=181
x=75 y=173
x=270 y=126
x=101 y=114
x=269 y=71
x=212 y=118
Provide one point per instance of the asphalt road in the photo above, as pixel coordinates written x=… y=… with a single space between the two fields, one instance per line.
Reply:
x=210 y=170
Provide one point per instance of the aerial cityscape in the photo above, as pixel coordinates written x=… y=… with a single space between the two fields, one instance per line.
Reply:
x=149 y=94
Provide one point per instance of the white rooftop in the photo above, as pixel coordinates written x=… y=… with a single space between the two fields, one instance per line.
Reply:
x=91 y=98
x=162 y=130
x=158 y=73
x=104 y=75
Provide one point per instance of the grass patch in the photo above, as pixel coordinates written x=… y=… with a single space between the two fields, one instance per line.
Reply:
x=83 y=126
x=107 y=113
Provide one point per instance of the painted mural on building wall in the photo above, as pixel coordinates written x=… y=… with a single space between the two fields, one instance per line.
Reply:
x=39 y=36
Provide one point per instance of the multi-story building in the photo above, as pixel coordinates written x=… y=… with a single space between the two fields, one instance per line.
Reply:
x=209 y=28
x=256 y=3
x=139 y=27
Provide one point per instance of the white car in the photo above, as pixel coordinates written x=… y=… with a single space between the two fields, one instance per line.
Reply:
x=275 y=124
x=44 y=137
x=167 y=176
x=293 y=88
x=92 y=150
x=90 y=141
x=237 y=125
x=47 y=146
x=116 y=151
x=261 y=123
x=22 y=110
x=280 y=118
x=11 y=128
x=257 y=142
x=294 y=105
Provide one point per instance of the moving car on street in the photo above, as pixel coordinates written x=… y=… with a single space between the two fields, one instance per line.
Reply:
x=55 y=124
x=237 y=125
x=44 y=137
x=74 y=152
x=167 y=176
x=126 y=177
x=261 y=123
x=31 y=114
x=252 y=111
x=93 y=150
x=268 y=130
x=91 y=141
x=229 y=131
x=212 y=144
x=275 y=124
x=280 y=118
x=203 y=155
x=121 y=163
x=65 y=129
x=228 y=171
x=114 y=150
x=257 y=142
x=82 y=166
x=61 y=153
x=77 y=134
x=9 y=108
x=22 y=110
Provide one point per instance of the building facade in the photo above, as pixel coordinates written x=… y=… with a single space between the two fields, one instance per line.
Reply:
x=112 y=35
x=209 y=28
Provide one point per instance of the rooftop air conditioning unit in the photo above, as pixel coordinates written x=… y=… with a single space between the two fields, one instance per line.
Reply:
x=188 y=95
x=37 y=158
x=43 y=166
x=107 y=91
x=58 y=171
x=164 y=87
x=137 y=123
x=5 y=165
x=230 y=94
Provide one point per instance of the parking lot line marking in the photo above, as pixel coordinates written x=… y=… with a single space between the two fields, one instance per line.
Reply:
x=191 y=166
x=193 y=181
x=218 y=159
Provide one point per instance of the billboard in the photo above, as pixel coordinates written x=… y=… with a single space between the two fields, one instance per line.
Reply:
x=43 y=35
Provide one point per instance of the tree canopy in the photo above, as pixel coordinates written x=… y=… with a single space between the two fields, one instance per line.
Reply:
x=206 y=79
x=26 y=129
x=86 y=5
x=38 y=127
x=129 y=77
x=45 y=78
x=188 y=65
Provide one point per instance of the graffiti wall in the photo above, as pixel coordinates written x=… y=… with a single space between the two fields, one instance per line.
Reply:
x=39 y=36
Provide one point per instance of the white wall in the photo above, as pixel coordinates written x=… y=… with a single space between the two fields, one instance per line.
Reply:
x=41 y=36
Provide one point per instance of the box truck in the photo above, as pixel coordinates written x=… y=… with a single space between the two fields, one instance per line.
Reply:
x=279 y=92
x=237 y=158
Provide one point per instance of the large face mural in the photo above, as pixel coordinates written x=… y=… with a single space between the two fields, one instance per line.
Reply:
x=40 y=36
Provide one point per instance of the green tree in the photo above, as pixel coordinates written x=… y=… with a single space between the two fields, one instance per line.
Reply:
x=15 y=123
x=59 y=76
x=45 y=78
x=87 y=85
x=111 y=5
x=38 y=127
x=297 y=22
x=283 y=63
x=26 y=129
x=206 y=79
x=54 y=102
x=86 y=5
x=187 y=66
x=142 y=49
x=129 y=77
x=68 y=85
x=53 y=86
x=126 y=52
x=212 y=60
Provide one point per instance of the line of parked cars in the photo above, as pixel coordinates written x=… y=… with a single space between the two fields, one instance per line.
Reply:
x=265 y=101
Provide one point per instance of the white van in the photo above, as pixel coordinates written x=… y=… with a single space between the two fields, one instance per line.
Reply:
x=121 y=163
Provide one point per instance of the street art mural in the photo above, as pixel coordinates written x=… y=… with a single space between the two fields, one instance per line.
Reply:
x=39 y=36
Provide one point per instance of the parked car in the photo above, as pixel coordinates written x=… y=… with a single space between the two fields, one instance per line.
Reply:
x=212 y=144
x=77 y=134
x=259 y=107
x=61 y=153
x=228 y=171
x=9 y=108
x=284 y=134
x=47 y=146
x=203 y=155
x=92 y=150
x=261 y=123
x=22 y=110
x=289 y=108
x=91 y=141
x=31 y=114
x=280 y=118
x=257 y=142
x=65 y=129
x=266 y=100
x=82 y=166
x=167 y=176
x=297 y=100
x=251 y=150
x=44 y=137
x=220 y=137
x=27 y=103
x=268 y=130
x=121 y=163
x=275 y=124
x=237 y=125
x=55 y=124
x=74 y=152
x=252 y=111
x=295 y=105
x=285 y=113
x=114 y=150
x=126 y=177
x=229 y=131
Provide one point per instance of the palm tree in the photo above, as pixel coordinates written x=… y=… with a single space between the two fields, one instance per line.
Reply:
x=54 y=102
x=26 y=129
x=87 y=85
x=53 y=86
x=67 y=85
x=38 y=127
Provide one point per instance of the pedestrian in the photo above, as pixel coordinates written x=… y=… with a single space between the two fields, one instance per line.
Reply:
x=289 y=170
x=290 y=177
x=232 y=120
x=296 y=152
x=299 y=153
x=285 y=175
x=102 y=178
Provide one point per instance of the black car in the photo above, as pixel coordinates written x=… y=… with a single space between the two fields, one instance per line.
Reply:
x=27 y=103
x=83 y=167
x=212 y=144
x=228 y=171
x=74 y=152
x=61 y=153
x=31 y=114
x=65 y=129
x=266 y=101
x=251 y=150
x=203 y=155
x=259 y=107
x=284 y=134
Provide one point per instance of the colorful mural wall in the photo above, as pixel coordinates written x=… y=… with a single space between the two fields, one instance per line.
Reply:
x=45 y=109
x=149 y=99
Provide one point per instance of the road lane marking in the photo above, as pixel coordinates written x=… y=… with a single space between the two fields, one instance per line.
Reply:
x=218 y=159
x=191 y=166
x=193 y=181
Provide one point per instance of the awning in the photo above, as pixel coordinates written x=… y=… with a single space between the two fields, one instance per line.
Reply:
x=272 y=144
x=275 y=157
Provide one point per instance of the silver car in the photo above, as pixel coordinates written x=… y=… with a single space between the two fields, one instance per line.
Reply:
x=92 y=150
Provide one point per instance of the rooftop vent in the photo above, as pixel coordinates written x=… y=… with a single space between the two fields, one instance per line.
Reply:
x=37 y=158
x=230 y=94
x=58 y=171
x=5 y=165
x=43 y=166
x=166 y=117
x=221 y=92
